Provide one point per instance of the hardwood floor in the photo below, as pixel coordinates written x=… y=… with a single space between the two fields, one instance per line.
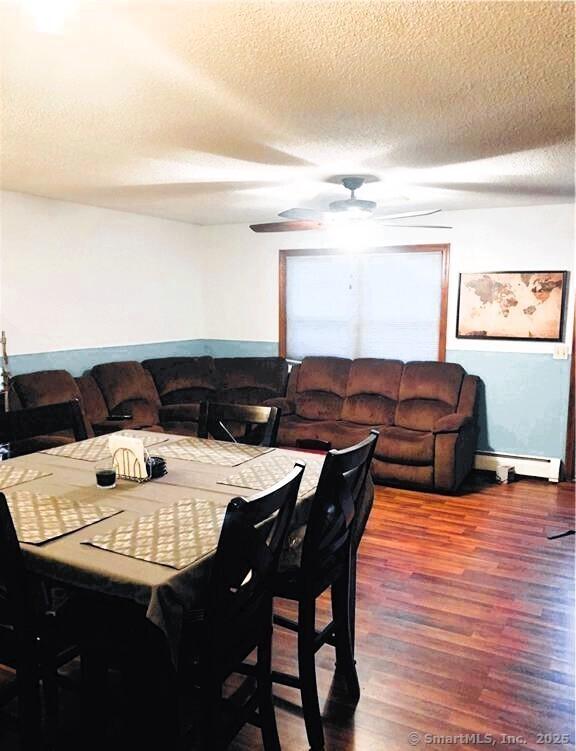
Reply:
x=465 y=627
x=464 y=623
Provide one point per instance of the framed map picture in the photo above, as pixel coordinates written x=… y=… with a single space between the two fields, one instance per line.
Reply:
x=512 y=305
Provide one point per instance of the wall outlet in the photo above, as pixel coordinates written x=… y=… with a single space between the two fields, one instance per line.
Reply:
x=560 y=351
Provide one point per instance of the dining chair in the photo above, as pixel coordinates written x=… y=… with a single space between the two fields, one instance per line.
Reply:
x=327 y=561
x=238 y=616
x=33 y=640
x=17 y=426
x=219 y=421
x=163 y=691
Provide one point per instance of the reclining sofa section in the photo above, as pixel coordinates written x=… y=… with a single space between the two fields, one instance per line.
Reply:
x=425 y=412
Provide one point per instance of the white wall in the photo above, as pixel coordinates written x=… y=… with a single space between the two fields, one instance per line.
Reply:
x=242 y=268
x=75 y=276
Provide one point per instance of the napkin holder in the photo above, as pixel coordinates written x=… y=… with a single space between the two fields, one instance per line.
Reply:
x=129 y=458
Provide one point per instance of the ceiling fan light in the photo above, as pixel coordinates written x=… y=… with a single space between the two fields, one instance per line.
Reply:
x=353 y=205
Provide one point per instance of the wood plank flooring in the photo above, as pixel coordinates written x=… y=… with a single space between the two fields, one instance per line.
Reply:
x=465 y=627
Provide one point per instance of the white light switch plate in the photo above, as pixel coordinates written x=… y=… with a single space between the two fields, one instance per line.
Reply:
x=560 y=351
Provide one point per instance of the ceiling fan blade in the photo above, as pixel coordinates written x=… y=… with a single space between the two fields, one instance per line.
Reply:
x=286 y=226
x=407 y=214
x=419 y=226
x=306 y=214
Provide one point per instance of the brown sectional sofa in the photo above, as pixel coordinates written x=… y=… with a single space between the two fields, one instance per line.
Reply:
x=184 y=382
x=425 y=411
x=160 y=394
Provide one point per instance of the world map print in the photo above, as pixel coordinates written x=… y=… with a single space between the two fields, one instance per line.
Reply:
x=511 y=305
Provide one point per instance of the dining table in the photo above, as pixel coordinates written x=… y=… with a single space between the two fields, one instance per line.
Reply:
x=148 y=543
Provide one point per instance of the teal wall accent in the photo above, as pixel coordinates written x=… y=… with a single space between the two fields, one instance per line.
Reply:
x=77 y=361
x=523 y=402
x=235 y=348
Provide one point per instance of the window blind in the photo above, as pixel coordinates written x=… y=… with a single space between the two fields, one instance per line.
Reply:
x=364 y=305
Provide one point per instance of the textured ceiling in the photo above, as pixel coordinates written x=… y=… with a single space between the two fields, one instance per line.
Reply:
x=216 y=112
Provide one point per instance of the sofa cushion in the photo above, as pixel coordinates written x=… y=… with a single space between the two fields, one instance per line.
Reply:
x=144 y=413
x=250 y=380
x=121 y=382
x=428 y=391
x=321 y=387
x=405 y=446
x=402 y=474
x=338 y=433
x=92 y=399
x=372 y=391
x=342 y=434
x=40 y=443
x=181 y=380
x=293 y=428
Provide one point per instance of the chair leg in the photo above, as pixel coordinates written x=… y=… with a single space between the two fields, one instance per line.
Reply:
x=51 y=698
x=210 y=736
x=307 y=672
x=94 y=670
x=29 y=702
x=352 y=597
x=268 y=725
x=345 y=663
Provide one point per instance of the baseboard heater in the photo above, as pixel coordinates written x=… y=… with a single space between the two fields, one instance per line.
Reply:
x=533 y=466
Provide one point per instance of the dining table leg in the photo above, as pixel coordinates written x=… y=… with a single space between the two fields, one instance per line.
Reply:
x=150 y=681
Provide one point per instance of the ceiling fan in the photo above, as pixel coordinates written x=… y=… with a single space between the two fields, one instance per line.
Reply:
x=349 y=209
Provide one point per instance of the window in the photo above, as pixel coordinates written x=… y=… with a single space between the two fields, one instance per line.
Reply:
x=388 y=302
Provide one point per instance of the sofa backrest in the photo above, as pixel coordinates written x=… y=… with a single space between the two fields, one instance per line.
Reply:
x=127 y=386
x=92 y=399
x=250 y=380
x=46 y=387
x=428 y=391
x=321 y=387
x=372 y=391
x=183 y=380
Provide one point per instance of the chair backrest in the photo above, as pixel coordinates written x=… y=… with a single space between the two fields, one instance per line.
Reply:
x=336 y=503
x=13 y=580
x=220 y=421
x=51 y=418
x=239 y=607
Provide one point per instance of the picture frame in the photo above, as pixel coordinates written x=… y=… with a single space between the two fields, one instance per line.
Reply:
x=512 y=305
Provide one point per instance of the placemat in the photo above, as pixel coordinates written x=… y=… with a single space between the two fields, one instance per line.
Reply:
x=39 y=518
x=209 y=451
x=269 y=470
x=94 y=449
x=11 y=475
x=174 y=536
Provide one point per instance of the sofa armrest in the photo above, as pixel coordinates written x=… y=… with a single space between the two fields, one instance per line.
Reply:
x=285 y=406
x=179 y=413
x=451 y=423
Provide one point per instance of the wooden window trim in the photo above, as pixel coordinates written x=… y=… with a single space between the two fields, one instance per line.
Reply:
x=444 y=249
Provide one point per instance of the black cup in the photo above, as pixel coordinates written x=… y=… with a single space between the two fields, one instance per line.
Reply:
x=105 y=475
